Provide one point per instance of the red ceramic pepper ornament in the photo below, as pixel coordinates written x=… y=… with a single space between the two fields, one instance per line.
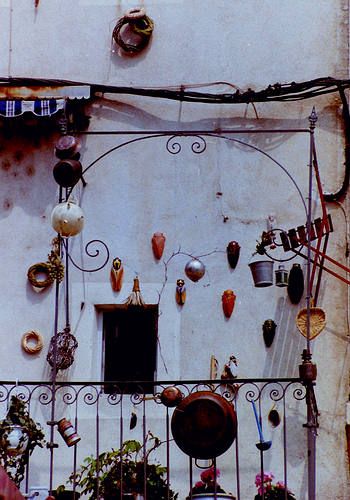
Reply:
x=158 y=242
x=228 y=302
x=232 y=251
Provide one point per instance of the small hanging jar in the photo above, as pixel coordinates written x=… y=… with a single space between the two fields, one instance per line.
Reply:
x=269 y=330
x=158 y=242
x=180 y=292
x=232 y=251
x=116 y=274
x=281 y=276
x=228 y=302
x=295 y=286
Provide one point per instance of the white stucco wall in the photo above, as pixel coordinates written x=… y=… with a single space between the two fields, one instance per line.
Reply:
x=142 y=188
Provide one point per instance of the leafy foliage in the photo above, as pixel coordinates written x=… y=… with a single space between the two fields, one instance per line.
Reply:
x=13 y=460
x=123 y=470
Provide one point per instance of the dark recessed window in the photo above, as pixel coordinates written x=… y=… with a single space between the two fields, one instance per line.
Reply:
x=130 y=347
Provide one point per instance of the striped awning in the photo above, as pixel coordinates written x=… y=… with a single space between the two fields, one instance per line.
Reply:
x=41 y=101
x=40 y=107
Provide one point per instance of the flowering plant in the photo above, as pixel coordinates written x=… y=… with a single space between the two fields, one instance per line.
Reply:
x=271 y=491
x=208 y=483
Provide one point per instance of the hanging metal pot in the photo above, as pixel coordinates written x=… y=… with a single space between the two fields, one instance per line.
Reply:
x=158 y=242
x=67 y=218
x=232 y=251
x=228 y=302
x=262 y=272
x=67 y=172
x=204 y=425
x=195 y=269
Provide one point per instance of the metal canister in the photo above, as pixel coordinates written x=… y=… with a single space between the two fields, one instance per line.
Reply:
x=67 y=431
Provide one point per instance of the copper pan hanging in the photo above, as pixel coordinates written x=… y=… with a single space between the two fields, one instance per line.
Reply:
x=204 y=425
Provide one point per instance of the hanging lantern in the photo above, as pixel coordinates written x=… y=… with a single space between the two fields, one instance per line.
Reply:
x=281 y=276
x=228 y=302
x=232 y=251
x=67 y=431
x=180 y=292
x=67 y=172
x=158 y=241
x=295 y=287
x=62 y=347
x=269 y=330
x=67 y=218
x=195 y=269
x=117 y=272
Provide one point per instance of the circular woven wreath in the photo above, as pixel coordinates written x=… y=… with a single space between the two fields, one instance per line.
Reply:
x=139 y=24
x=53 y=269
x=41 y=267
x=28 y=337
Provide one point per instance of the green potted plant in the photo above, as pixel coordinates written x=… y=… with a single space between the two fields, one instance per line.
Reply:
x=208 y=487
x=19 y=435
x=271 y=491
x=124 y=470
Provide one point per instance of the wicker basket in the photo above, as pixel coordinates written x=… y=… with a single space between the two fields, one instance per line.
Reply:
x=317 y=321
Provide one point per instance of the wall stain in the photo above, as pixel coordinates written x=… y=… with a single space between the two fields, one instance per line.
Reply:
x=5 y=165
x=30 y=171
x=18 y=156
x=7 y=204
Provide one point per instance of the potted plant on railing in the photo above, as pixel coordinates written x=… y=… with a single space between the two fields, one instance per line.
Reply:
x=271 y=491
x=208 y=487
x=19 y=435
x=124 y=471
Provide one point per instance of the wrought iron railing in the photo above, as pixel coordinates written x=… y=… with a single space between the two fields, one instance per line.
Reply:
x=104 y=421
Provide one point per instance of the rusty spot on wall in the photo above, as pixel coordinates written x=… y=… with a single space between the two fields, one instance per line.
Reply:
x=5 y=165
x=7 y=204
x=30 y=171
x=18 y=155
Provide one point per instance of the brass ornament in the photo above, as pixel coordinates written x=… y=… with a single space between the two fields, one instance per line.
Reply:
x=180 y=292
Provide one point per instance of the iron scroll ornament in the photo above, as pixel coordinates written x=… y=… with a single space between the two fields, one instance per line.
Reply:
x=89 y=254
x=198 y=146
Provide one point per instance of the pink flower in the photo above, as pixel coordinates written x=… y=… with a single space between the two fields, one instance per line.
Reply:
x=268 y=477
x=199 y=484
x=208 y=475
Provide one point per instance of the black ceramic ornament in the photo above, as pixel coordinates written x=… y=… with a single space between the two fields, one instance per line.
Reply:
x=233 y=250
x=295 y=286
x=269 y=330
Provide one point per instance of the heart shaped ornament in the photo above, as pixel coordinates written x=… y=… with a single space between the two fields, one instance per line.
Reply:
x=317 y=321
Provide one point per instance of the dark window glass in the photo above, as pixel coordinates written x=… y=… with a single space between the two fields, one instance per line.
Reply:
x=130 y=347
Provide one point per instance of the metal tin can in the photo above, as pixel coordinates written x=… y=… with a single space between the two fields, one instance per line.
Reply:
x=67 y=431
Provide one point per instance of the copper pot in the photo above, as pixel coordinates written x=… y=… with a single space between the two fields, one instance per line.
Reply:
x=204 y=425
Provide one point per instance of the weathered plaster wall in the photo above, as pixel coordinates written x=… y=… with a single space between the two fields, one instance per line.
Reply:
x=143 y=188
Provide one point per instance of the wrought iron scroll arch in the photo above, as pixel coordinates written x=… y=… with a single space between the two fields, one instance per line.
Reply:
x=197 y=147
